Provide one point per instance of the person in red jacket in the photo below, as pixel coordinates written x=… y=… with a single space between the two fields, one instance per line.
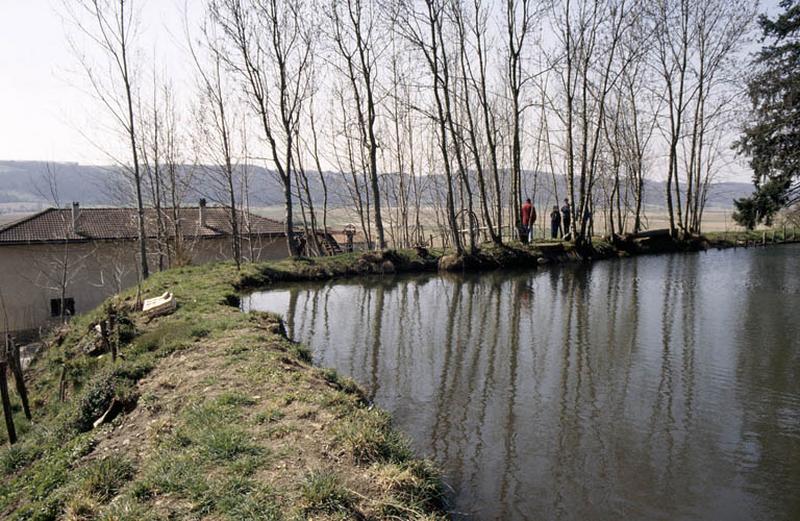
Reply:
x=528 y=218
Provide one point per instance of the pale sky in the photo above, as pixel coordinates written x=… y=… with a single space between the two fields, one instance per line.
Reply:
x=33 y=102
x=45 y=111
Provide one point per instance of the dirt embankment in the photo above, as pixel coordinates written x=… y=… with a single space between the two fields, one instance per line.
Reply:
x=215 y=414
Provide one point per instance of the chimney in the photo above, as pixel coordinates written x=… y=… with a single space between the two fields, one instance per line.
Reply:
x=203 y=212
x=76 y=212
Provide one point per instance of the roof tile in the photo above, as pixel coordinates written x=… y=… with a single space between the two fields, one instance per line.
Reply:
x=55 y=225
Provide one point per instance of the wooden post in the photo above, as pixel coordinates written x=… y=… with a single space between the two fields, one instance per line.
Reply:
x=19 y=378
x=105 y=340
x=784 y=233
x=113 y=333
x=62 y=384
x=12 y=433
x=764 y=238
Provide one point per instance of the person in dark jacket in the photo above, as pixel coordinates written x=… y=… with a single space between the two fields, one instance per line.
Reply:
x=555 y=223
x=566 y=213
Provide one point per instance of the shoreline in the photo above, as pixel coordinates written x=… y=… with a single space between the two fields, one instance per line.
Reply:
x=209 y=409
x=489 y=257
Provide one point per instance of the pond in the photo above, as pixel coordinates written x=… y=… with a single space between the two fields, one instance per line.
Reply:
x=661 y=387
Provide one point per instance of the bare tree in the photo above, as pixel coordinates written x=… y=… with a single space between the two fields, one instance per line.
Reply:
x=349 y=169
x=177 y=176
x=721 y=29
x=111 y=26
x=151 y=129
x=520 y=15
x=272 y=43
x=423 y=29
x=354 y=24
x=216 y=124
x=591 y=33
x=473 y=127
x=59 y=266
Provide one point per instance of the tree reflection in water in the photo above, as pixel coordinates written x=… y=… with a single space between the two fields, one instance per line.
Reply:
x=651 y=388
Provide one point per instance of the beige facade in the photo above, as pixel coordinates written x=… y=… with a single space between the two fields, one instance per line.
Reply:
x=33 y=275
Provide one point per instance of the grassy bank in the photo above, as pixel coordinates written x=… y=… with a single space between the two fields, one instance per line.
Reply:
x=217 y=415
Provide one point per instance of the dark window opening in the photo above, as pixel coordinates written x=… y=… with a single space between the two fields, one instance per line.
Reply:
x=55 y=307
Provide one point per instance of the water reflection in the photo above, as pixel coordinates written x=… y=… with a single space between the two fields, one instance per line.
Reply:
x=652 y=388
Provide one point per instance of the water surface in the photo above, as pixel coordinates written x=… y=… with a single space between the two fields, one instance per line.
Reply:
x=663 y=387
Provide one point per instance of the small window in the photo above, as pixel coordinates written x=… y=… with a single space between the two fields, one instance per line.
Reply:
x=55 y=307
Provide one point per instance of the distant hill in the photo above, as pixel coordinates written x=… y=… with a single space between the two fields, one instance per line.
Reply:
x=23 y=188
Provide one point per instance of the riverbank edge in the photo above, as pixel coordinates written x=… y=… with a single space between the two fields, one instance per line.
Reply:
x=352 y=461
x=488 y=257
x=207 y=412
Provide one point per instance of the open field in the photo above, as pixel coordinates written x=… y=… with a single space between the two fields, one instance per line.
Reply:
x=715 y=220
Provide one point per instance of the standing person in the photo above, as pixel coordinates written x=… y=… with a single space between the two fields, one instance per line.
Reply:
x=555 y=222
x=566 y=213
x=528 y=217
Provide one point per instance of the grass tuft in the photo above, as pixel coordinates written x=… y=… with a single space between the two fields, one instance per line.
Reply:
x=17 y=456
x=81 y=508
x=414 y=484
x=102 y=479
x=322 y=492
x=369 y=437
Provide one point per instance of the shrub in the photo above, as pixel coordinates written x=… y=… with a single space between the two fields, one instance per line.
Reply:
x=94 y=401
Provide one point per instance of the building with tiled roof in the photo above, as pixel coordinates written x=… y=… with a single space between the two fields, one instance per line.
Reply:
x=59 y=262
x=57 y=225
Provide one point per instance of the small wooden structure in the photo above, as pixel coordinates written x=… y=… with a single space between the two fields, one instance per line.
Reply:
x=161 y=305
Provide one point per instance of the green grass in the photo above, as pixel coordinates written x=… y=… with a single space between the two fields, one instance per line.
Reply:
x=322 y=492
x=270 y=416
x=103 y=478
x=245 y=499
x=368 y=436
x=205 y=454
x=172 y=474
x=214 y=429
